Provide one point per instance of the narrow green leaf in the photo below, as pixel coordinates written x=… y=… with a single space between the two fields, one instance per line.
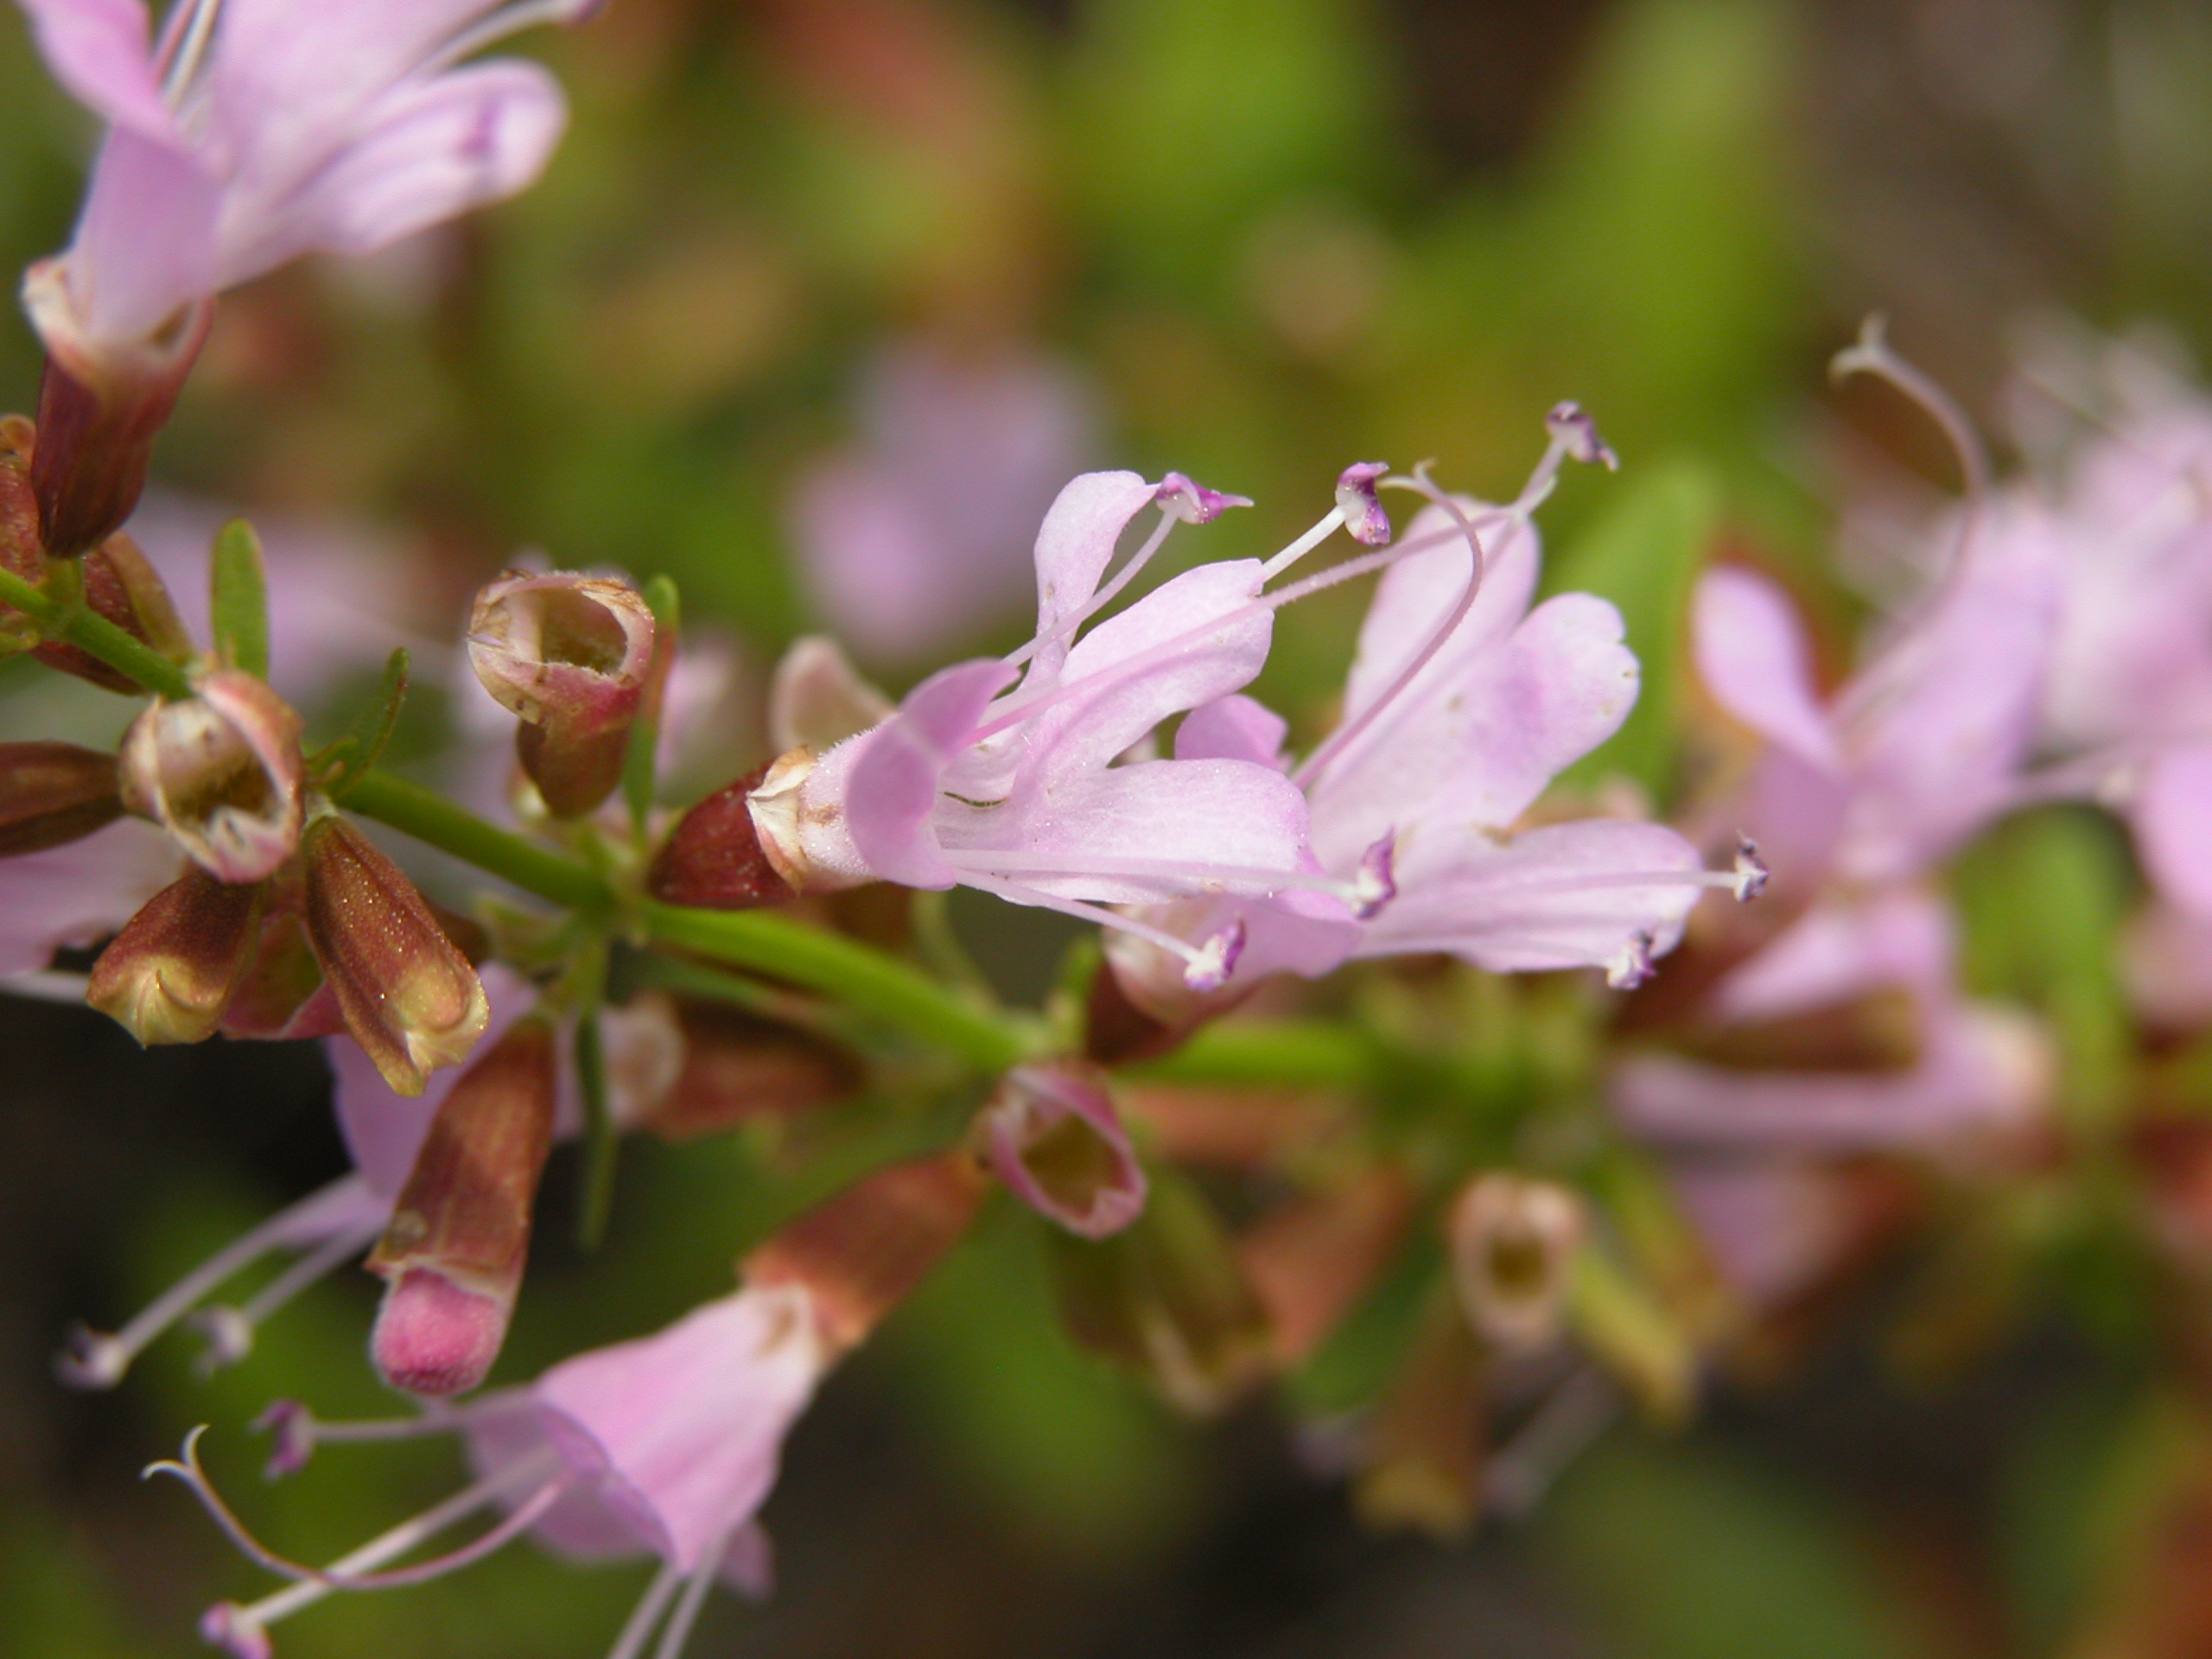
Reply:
x=600 y=1137
x=363 y=746
x=239 y=595
x=638 y=780
x=1644 y=555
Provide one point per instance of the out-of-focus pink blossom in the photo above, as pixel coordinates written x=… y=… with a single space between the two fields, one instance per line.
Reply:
x=1975 y=1065
x=80 y=893
x=918 y=536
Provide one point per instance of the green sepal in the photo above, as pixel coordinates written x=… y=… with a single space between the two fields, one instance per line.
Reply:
x=346 y=762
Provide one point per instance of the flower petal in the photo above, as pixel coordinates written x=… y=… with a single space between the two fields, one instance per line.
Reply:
x=890 y=788
x=1074 y=547
x=80 y=892
x=2172 y=816
x=1232 y=728
x=146 y=241
x=1416 y=593
x=1839 y=951
x=98 y=49
x=1751 y=655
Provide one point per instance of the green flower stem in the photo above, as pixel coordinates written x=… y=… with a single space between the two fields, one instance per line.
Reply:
x=1247 y=1053
x=89 y=630
x=855 y=974
x=430 y=817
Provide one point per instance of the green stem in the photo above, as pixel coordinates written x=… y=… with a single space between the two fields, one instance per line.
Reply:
x=94 y=634
x=601 y=1143
x=1304 y=1052
x=430 y=817
x=856 y=974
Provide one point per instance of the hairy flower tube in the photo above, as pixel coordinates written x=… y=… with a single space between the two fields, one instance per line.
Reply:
x=242 y=134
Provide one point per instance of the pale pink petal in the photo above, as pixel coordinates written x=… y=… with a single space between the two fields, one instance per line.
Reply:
x=1565 y=895
x=504 y=1429
x=1141 y=834
x=429 y=152
x=681 y=1432
x=1773 y=1225
x=146 y=242
x=891 y=788
x=2166 y=958
x=80 y=893
x=1232 y=728
x=2172 y=816
x=98 y=49
x=1074 y=547
x=1113 y=710
x=1751 y=654
x=1841 y=950
x=1418 y=593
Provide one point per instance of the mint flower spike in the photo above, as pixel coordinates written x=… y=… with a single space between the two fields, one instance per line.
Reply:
x=246 y=133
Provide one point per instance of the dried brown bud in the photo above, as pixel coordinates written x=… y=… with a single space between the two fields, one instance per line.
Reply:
x=740 y=1068
x=408 y=994
x=222 y=772
x=98 y=411
x=861 y=1252
x=453 y=1252
x=714 y=858
x=51 y=793
x=1513 y=1243
x=169 y=975
x=570 y=656
x=1424 y=1459
x=1311 y=1259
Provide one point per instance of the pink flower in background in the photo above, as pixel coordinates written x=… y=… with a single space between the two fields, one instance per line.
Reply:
x=1964 y=1065
x=1928 y=743
x=248 y=132
x=80 y=893
x=918 y=536
x=666 y=1446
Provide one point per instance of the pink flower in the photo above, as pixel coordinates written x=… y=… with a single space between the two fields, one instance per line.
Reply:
x=79 y=893
x=666 y=1446
x=1029 y=790
x=1462 y=706
x=1970 y=1065
x=1925 y=745
x=920 y=536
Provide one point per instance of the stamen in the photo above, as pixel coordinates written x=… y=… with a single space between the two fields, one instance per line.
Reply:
x=509 y=19
x=992 y=861
x=695 y=1598
x=1323 y=527
x=1184 y=497
x=298 y=1431
x=1362 y=510
x=1633 y=965
x=1751 y=872
x=638 y=1629
x=1217 y=959
x=344 y=1574
x=97 y=1360
x=1334 y=746
x=1082 y=909
x=230 y=1331
x=1376 y=885
x=1107 y=595
x=185 y=35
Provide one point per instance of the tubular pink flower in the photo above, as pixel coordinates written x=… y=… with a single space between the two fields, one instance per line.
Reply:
x=1054 y=1139
x=221 y=772
x=247 y=133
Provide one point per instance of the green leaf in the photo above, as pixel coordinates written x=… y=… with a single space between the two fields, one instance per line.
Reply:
x=352 y=755
x=1644 y=555
x=644 y=733
x=239 y=599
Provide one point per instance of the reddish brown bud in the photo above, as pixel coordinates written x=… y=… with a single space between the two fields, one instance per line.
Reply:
x=740 y=1068
x=51 y=793
x=570 y=656
x=222 y=772
x=408 y=994
x=454 y=1251
x=1424 y=1452
x=714 y=858
x=1052 y=1137
x=1513 y=1241
x=1310 y=1260
x=98 y=411
x=282 y=995
x=169 y=975
x=861 y=1252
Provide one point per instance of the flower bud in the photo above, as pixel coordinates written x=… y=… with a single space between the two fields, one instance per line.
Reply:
x=406 y=991
x=1311 y=1259
x=221 y=772
x=714 y=856
x=1513 y=1243
x=740 y=1068
x=1425 y=1450
x=861 y=1252
x=99 y=412
x=1167 y=1299
x=284 y=994
x=782 y=826
x=1052 y=1137
x=51 y=793
x=171 y=972
x=570 y=655
x=816 y=698
x=452 y=1256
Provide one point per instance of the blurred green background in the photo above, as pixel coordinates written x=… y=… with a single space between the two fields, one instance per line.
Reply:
x=1261 y=238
